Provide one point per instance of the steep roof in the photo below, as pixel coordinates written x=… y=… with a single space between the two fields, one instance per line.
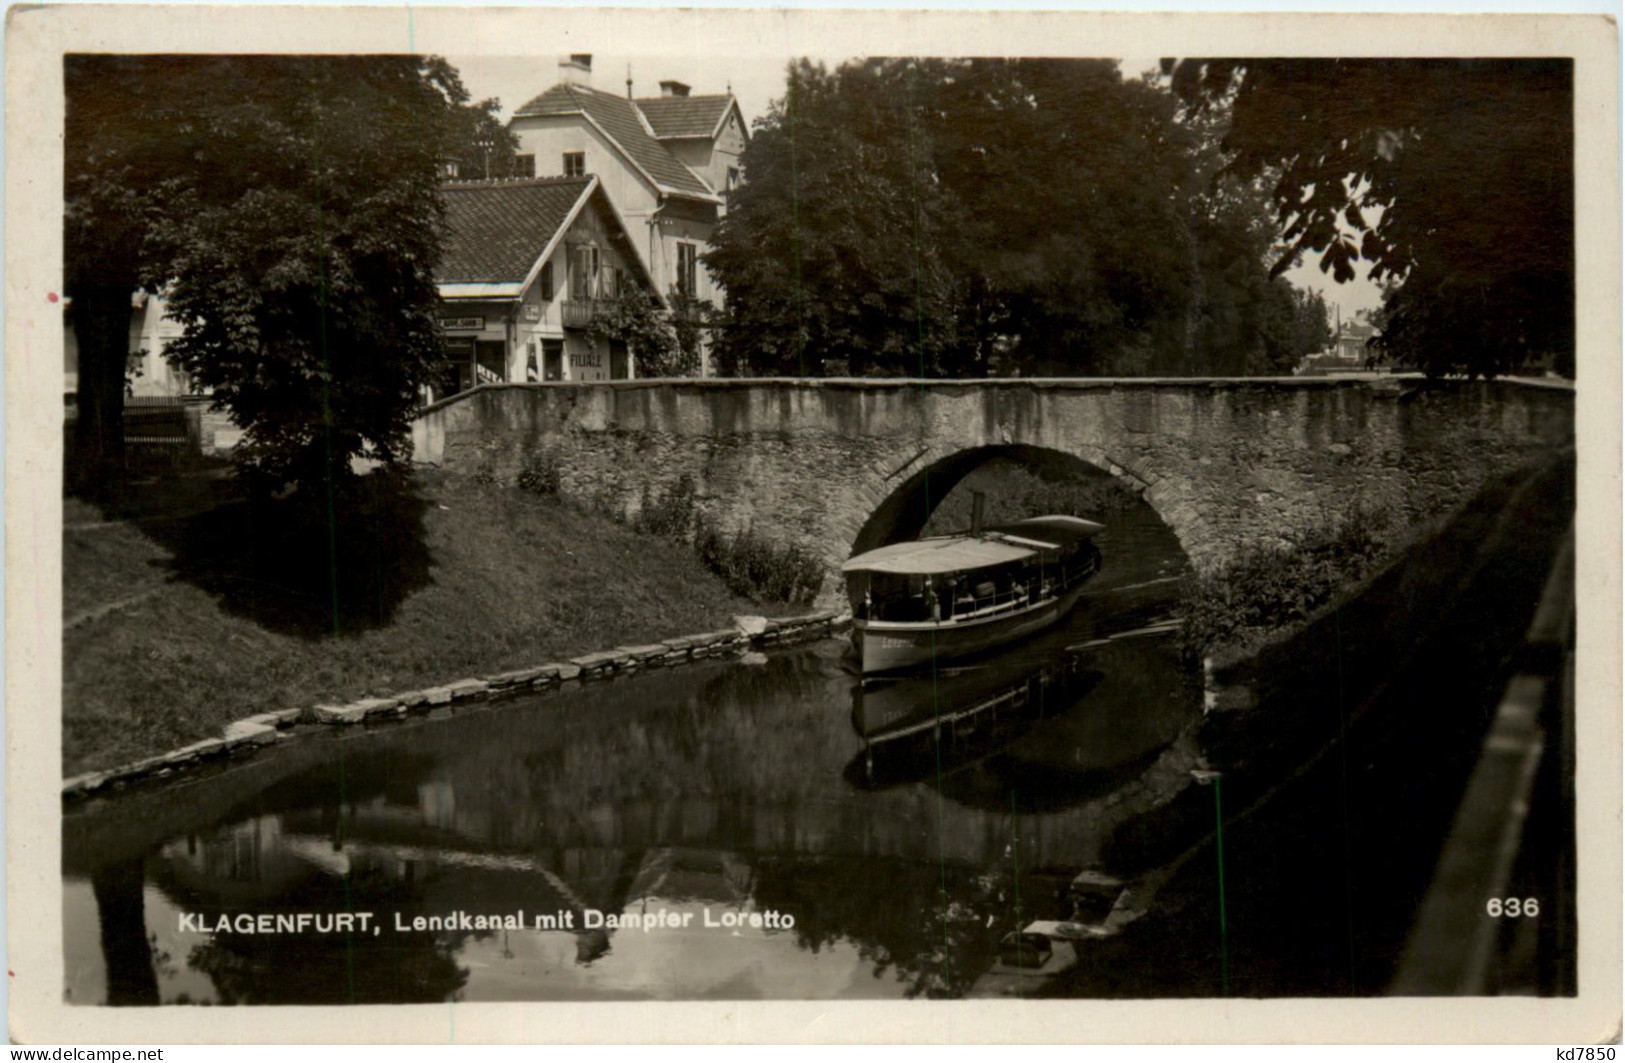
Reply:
x=673 y=117
x=621 y=121
x=496 y=230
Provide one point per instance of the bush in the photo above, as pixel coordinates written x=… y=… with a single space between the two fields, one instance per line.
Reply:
x=748 y=564
x=540 y=474
x=757 y=568
x=669 y=515
x=1267 y=589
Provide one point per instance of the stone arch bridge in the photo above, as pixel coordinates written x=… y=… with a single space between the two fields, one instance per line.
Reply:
x=841 y=465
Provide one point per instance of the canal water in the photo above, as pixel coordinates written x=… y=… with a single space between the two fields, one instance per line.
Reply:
x=792 y=831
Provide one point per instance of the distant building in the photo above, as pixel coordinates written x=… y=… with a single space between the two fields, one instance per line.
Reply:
x=525 y=262
x=667 y=162
x=1349 y=352
x=1351 y=341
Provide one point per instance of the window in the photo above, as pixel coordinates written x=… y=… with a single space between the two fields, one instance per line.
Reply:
x=687 y=270
x=575 y=163
x=524 y=166
x=583 y=271
x=733 y=178
x=545 y=281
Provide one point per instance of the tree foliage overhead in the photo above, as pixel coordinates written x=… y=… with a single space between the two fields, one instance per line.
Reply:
x=482 y=146
x=1454 y=177
x=821 y=250
x=288 y=210
x=951 y=217
x=1244 y=318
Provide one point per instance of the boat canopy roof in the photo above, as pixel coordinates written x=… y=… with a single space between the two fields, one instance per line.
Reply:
x=960 y=553
x=928 y=557
x=1067 y=528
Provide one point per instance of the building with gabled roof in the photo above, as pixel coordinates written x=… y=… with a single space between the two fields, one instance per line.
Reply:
x=678 y=115
x=706 y=132
x=524 y=262
x=666 y=163
x=625 y=131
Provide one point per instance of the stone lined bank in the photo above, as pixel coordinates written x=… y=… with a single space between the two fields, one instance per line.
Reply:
x=245 y=737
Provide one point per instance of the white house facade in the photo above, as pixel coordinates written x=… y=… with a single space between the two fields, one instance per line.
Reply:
x=525 y=262
x=666 y=162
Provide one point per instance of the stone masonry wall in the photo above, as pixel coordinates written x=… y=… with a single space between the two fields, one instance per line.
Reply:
x=826 y=463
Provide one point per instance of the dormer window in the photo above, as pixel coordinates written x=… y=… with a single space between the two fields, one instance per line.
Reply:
x=575 y=164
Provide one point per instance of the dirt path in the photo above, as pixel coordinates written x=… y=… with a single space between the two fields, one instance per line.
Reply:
x=96 y=613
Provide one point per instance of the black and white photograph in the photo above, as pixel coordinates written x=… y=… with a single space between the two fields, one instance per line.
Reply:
x=725 y=514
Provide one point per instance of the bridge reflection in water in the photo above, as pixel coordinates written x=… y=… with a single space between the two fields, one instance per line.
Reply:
x=721 y=788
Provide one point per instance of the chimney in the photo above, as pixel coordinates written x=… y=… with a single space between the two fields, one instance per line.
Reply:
x=576 y=70
x=673 y=88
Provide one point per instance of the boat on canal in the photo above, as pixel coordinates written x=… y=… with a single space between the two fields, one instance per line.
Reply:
x=950 y=596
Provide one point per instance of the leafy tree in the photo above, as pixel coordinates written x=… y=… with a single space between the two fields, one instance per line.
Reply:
x=1452 y=176
x=1311 y=325
x=942 y=218
x=1070 y=190
x=110 y=172
x=828 y=247
x=482 y=146
x=288 y=209
x=1244 y=319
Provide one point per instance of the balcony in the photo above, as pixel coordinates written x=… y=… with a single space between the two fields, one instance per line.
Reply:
x=577 y=313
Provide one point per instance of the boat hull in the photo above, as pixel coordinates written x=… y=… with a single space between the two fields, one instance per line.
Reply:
x=890 y=647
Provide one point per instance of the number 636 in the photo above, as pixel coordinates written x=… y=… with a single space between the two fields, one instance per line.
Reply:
x=1513 y=907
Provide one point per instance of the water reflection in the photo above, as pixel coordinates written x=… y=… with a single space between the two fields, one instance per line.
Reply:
x=903 y=826
x=930 y=727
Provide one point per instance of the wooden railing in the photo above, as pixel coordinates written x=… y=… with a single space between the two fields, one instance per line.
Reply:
x=577 y=312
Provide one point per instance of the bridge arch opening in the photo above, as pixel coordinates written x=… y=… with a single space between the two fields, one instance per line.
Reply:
x=1018 y=480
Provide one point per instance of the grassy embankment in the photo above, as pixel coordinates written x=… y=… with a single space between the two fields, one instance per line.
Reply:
x=184 y=609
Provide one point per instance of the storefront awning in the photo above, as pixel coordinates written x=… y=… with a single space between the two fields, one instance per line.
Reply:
x=481 y=291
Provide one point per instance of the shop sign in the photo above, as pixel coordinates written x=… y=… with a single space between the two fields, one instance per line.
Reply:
x=462 y=323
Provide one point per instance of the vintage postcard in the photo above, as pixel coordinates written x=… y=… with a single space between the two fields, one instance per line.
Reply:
x=853 y=526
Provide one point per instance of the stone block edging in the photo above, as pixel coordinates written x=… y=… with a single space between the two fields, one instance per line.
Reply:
x=244 y=737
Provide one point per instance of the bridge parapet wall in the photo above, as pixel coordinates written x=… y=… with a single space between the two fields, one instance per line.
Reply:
x=1226 y=463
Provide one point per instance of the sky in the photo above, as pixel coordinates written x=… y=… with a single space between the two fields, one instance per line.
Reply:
x=756 y=81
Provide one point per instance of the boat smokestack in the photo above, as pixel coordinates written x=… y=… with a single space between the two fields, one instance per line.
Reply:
x=978 y=503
